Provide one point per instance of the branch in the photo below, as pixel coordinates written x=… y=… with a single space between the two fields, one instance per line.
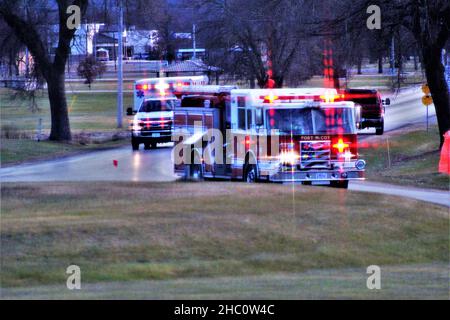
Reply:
x=65 y=35
x=28 y=35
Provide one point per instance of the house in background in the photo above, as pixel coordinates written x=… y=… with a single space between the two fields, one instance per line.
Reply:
x=137 y=43
x=188 y=54
x=83 y=42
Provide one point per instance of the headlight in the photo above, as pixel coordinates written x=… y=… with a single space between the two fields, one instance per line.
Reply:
x=289 y=157
x=136 y=125
x=360 y=164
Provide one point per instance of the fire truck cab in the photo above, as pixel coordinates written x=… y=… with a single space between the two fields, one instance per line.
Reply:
x=278 y=135
x=154 y=102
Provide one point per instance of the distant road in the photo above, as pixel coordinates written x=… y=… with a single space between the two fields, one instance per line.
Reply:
x=406 y=109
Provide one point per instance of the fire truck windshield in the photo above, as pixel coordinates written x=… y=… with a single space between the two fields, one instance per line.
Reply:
x=306 y=121
x=157 y=105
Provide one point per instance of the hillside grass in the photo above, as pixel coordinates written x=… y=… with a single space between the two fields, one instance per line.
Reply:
x=87 y=111
x=120 y=232
x=409 y=156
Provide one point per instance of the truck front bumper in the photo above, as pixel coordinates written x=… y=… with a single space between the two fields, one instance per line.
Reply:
x=337 y=171
x=372 y=123
x=150 y=135
x=315 y=176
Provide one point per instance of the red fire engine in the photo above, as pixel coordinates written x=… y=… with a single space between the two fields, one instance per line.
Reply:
x=268 y=134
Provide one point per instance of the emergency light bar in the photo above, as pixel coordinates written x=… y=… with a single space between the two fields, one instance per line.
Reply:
x=294 y=98
x=158 y=86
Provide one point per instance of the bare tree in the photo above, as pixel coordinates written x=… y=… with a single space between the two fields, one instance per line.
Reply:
x=25 y=19
x=428 y=22
x=89 y=69
x=259 y=39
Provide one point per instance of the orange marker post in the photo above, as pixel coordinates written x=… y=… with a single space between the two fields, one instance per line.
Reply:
x=444 y=162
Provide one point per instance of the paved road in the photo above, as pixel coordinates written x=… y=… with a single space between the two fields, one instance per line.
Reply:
x=406 y=108
x=145 y=165
x=427 y=195
x=156 y=165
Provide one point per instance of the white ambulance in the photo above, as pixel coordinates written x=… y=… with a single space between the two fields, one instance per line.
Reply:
x=154 y=102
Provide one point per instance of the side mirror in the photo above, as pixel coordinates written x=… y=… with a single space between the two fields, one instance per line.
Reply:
x=129 y=111
x=387 y=102
x=358 y=116
x=259 y=120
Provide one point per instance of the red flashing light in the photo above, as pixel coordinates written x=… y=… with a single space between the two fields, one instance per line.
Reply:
x=270 y=98
x=162 y=87
x=327 y=97
x=247 y=141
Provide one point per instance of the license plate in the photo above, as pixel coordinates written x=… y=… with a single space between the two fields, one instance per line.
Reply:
x=156 y=135
x=322 y=176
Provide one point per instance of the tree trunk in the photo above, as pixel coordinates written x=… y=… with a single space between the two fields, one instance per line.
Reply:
x=52 y=68
x=434 y=71
x=60 y=130
x=336 y=82
x=279 y=80
x=380 y=64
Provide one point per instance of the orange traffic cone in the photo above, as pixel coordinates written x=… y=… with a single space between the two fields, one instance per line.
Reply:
x=444 y=163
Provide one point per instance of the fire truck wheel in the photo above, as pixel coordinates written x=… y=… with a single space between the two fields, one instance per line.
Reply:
x=153 y=145
x=250 y=175
x=306 y=183
x=343 y=184
x=196 y=172
x=380 y=130
x=146 y=146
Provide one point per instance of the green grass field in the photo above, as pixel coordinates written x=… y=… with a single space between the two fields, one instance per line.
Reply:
x=87 y=111
x=16 y=151
x=407 y=157
x=427 y=281
x=383 y=83
x=127 y=232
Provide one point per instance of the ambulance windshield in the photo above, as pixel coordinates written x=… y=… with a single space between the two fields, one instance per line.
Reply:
x=157 y=105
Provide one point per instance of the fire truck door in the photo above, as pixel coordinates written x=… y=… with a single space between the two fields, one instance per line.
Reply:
x=220 y=167
x=223 y=168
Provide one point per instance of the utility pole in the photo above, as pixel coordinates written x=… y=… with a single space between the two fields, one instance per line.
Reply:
x=120 y=69
x=392 y=56
x=27 y=63
x=194 y=44
x=27 y=54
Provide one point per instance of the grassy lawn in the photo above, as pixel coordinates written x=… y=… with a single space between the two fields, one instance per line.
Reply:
x=15 y=151
x=90 y=114
x=87 y=111
x=424 y=281
x=370 y=80
x=412 y=159
x=125 y=232
x=98 y=85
